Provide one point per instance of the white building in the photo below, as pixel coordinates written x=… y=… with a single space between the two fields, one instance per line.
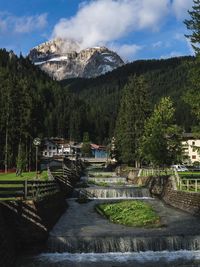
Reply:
x=191 y=147
x=65 y=149
x=50 y=149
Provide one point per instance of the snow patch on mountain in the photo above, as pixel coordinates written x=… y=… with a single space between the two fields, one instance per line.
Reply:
x=63 y=59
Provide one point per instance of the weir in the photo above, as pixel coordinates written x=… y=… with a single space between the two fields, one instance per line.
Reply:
x=82 y=237
x=114 y=192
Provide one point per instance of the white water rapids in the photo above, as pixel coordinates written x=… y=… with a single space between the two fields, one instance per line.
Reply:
x=147 y=259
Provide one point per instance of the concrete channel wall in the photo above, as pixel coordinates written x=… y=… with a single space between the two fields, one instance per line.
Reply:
x=25 y=225
x=164 y=187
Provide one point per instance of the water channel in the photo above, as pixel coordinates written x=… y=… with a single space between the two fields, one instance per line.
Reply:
x=83 y=238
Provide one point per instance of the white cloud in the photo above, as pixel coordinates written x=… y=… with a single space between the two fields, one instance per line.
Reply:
x=172 y=54
x=126 y=51
x=13 y=24
x=157 y=44
x=100 y=22
x=3 y=25
x=180 y=8
x=29 y=24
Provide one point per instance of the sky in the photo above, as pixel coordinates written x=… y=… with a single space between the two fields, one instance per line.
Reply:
x=135 y=29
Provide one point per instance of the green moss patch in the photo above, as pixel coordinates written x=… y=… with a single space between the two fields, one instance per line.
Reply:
x=130 y=213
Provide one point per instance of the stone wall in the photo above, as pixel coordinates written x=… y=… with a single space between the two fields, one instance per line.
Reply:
x=187 y=201
x=164 y=188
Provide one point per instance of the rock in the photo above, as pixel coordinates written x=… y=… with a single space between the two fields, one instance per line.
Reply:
x=63 y=59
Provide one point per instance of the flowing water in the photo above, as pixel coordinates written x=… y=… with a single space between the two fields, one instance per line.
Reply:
x=141 y=259
x=83 y=238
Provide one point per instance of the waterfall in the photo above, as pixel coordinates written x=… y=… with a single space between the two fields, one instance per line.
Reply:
x=84 y=238
x=122 y=244
x=130 y=259
x=117 y=192
x=110 y=180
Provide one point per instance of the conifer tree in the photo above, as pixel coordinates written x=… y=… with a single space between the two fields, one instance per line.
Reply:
x=193 y=24
x=161 y=142
x=192 y=97
x=133 y=112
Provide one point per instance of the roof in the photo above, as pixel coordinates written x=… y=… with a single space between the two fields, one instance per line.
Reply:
x=99 y=147
x=191 y=136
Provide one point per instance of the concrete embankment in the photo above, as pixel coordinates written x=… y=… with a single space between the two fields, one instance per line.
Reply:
x=164 y=187
x=25 y=225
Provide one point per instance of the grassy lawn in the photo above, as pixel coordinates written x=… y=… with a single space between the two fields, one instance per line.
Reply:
x=130 y=213
x=25 y=176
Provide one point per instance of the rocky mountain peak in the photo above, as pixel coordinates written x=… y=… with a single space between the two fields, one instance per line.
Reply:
x=64 y=59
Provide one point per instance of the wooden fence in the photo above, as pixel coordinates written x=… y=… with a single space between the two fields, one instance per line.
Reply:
x=155 y=172
x=182 y=184
x=27 y=189
x=190 y=185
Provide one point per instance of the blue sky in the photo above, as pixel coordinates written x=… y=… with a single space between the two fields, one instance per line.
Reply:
x=136 y=29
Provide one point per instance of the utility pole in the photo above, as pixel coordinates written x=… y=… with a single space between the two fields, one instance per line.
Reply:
x=37 y=143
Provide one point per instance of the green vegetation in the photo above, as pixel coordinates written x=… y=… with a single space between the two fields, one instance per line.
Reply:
x=133 y=112
x=161 y=142
x=192 y=96
x=117 y=103
x=189 y=175
x=86 y=148
x=100 y=175
x=24 y=176
x=130 y=213
x=98 y=183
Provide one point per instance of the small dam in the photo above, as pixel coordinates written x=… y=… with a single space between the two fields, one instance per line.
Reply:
x=82 y=237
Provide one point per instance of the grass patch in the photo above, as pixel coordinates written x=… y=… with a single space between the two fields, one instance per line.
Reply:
x=130 y=213
x=98 y=183
x=24 y=176
x=189 y=175
x=120 y=183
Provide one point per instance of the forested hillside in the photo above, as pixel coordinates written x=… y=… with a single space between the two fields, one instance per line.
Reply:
x=165 y=78
x=32 y=104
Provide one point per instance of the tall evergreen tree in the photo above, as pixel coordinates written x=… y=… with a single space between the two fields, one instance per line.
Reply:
x=133 y=112
x=192 y=97
x=193 y=24
x=161 y=142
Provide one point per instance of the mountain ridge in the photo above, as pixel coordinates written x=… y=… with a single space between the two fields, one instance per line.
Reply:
x=63 y=59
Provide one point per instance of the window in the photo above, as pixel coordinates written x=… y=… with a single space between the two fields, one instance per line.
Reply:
x=193 y=156
x=49 y=147
x=193 y=143
x=54 y=147
x=50 y=154
x=193 y=150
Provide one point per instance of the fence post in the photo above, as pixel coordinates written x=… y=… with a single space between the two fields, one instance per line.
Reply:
x=188 y=185
x=25 y=189
x=196 y=185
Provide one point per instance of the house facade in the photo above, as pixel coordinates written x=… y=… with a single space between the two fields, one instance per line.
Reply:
x=50 y=148
x=191 y=148
x=99 y=151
